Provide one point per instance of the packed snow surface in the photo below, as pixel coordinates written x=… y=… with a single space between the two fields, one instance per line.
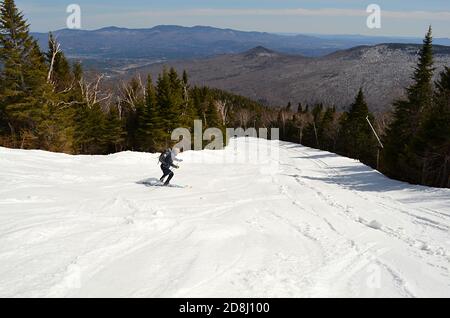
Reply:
x=303 y=223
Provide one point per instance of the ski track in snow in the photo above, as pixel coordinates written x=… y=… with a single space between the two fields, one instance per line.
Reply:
x=314 y=225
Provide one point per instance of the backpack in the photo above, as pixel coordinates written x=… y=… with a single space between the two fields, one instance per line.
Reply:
x=164 y=155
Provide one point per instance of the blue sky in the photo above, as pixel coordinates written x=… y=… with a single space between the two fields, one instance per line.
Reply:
x=399 y=17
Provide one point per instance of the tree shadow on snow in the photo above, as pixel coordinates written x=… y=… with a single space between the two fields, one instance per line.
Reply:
x=316 y=157
x=364 y=178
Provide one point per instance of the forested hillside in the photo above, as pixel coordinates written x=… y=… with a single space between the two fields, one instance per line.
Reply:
x=274 y=78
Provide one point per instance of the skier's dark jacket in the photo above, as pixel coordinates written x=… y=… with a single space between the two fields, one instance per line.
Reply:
x=168 y=161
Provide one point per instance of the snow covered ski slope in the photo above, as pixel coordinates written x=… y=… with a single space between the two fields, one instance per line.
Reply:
x=309 y=224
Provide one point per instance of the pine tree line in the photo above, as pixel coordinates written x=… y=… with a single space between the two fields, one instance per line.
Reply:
x=418 y=139
x=346 y=133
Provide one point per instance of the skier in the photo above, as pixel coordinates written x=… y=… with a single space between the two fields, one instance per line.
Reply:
x=166 y=159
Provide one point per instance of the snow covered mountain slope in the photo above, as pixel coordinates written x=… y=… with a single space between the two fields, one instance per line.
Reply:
x=319 y=225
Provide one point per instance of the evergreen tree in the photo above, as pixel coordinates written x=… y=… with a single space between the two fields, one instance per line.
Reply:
x=94 y=130
x=151 y=131
x=327 y=130
x=188 y=110
x=311 y=133
x=92 y=133
x=289 y=106
x=170 y=100
x=77 y=71
x=114 y=132
x=185 y=79
x=420 y=94
x=77 y=76
x=356 y=139
x=57 y=126
x=200 y=99
x=24 y=90
x=433 y=141
x=177 y=100
x=212 y=116
x=60 y=75
x=401 y=155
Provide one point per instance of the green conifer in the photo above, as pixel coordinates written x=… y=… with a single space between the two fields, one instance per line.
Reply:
x=401 y=155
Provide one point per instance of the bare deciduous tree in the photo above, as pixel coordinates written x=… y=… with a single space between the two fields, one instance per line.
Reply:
x=56 y=49
x=244 y=117
x=224 y=108
x=132 y=93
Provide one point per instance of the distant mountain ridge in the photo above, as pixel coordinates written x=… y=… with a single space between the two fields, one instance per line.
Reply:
x=177 y=42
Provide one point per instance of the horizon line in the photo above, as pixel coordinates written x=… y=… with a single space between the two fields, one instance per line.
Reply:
x=238 y=30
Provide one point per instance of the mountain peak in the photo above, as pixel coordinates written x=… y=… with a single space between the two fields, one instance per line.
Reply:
x=111 y=29
x=260 y=51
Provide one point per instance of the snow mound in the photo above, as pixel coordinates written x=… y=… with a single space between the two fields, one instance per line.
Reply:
x=375 y=225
